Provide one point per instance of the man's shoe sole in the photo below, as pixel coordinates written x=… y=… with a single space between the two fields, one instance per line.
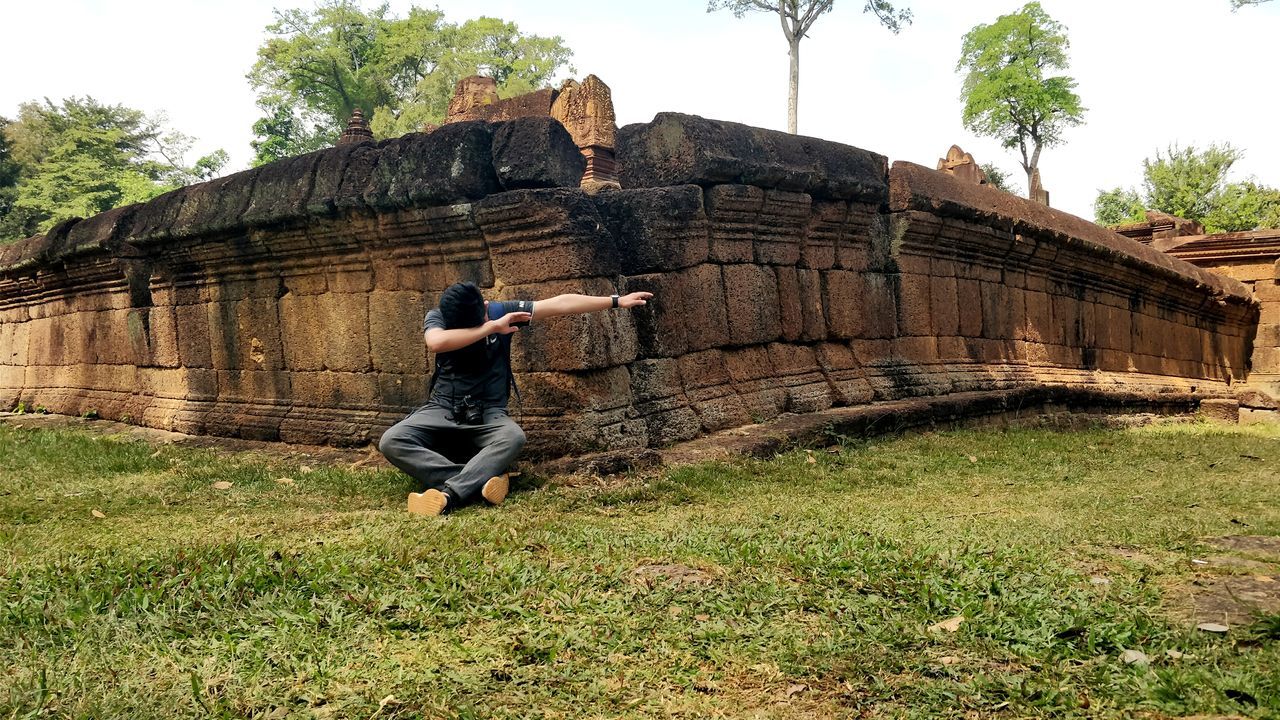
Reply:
x=496 y=489
x=431 y=502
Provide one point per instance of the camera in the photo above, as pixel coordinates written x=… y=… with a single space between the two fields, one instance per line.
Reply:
x=468 y=412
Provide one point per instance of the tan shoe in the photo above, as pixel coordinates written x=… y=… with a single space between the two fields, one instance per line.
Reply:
x=431 y=502
x=496 y=489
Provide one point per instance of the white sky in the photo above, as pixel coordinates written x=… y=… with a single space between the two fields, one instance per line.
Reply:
x=1151 y=72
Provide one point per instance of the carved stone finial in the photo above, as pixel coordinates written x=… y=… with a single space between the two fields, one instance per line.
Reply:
x=1038 y=193
x=357 y=130
x=961 y=164
x=471 y=92
x=586 y=111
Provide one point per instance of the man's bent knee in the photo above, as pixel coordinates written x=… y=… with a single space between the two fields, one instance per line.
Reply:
x=389 y=442
x=514 y=436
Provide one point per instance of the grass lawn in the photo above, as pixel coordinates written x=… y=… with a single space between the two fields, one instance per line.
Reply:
x=802 y=586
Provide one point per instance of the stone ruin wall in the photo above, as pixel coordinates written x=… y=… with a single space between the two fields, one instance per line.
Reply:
x=1253 y=258
x=791 y=275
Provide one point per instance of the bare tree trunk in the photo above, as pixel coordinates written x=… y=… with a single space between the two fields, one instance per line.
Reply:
x=1032 y=168
x=793 y=91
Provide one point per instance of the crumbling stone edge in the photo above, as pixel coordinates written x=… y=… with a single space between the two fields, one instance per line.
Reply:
x=1048 y=406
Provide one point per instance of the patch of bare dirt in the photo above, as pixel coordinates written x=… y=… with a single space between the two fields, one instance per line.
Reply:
x=1233 y=588
x=1234 y=600
x=1266 y=547
x=671 y=573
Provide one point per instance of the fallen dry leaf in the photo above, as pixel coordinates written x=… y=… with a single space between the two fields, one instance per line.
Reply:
x=1174 y=654
x=97 y=513
x=304 y=468
x=1134 y=657
x=948 y=659
x=811 y=459
x=156 y=454
x=1213 y=627
x=278 y=713
x=973 y=459
x=285 y=481
x=702 y=617
x=796 y=689
x=950 y=626
x=221 y=485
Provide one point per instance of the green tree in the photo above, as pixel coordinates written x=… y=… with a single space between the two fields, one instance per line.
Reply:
x=9 y=170
x=1244 y=206
x=282 y=133
x=80 y=157
x=1193 y=184
x=321 y=65
x=1118 y=206
x=1010 y=93
x=797 y=18
x=1186 y=182
x=999 y=179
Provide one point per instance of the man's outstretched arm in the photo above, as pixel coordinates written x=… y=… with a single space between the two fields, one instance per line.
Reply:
x=441 y=340
x=578 y=304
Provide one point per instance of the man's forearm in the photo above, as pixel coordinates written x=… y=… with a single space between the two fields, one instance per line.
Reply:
x=439 y=340
x=570 y=304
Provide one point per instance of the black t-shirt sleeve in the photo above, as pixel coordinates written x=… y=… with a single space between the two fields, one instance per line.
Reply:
x=506 y=307
x=434 y=319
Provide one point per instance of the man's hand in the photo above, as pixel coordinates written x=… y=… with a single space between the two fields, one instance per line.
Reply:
x=634 y=299
x=505 y=324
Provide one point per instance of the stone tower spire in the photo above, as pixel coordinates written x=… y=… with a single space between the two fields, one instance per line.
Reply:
x=357 y=130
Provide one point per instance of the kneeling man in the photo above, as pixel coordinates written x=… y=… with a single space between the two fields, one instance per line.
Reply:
x=471 y=338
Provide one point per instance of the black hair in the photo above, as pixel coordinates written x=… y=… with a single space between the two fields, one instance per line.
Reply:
x=462 y=306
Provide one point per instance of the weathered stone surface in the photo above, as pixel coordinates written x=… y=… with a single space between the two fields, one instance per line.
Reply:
x=452 y=164
x=154 y=220
x=572 y=342
x=483 y=105
x=751 y=293
x=918 y=188
x=471 y=94
x=733 y=213
x=782 y=221
x=540 y=235
x=214 y=207
x=678 y=149
x=536 y=152
x=1222 y=409
x=106 y=231
x=281 y=191
x=658 y=229
x=331 y=165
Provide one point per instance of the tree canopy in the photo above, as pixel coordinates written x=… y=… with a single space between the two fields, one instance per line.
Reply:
x=80 y=157
x=1010 y=91
x=322 y=64
x=1192 y=184
x=797 y=17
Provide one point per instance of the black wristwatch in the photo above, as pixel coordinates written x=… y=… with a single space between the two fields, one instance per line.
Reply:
x=615 y=300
